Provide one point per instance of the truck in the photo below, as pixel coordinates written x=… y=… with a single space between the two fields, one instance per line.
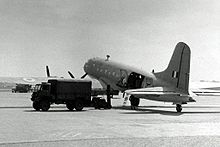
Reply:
x=23 y=88
x=73 y=93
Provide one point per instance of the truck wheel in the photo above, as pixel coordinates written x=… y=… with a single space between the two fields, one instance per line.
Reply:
x=70 y=106
x=78 y=105
x=45 y=105
x=36 y=106
x=95 y=101
x=103 y=103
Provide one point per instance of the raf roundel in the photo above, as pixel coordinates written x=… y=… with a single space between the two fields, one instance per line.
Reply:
x=30 y=80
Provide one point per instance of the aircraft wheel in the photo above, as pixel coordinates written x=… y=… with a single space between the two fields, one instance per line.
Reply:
x=45 y=105
x=134 y=101
x=78 y=105
x=36 y=106
x=70 y=106
x=178 y=108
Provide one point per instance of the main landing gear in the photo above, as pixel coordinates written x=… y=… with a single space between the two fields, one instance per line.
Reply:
x=178 y=107
x=134 y=102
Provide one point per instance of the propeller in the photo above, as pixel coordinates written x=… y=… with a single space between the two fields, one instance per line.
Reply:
x=48 y=71
x=71 y=75
x=84 y=76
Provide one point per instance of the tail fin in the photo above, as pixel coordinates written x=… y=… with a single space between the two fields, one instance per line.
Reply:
x=177 y=72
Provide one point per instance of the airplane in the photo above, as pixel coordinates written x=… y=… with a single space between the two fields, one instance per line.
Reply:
x=12 y=82
x=170 y=85
x=205 y=88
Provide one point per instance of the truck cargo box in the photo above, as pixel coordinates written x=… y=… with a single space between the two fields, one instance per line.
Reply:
x=65 y=88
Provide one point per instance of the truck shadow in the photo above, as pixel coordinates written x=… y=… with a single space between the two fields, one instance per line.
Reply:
x=51 y=111
x=15 y=107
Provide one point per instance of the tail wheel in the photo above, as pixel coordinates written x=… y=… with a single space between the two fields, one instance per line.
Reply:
x=70 y=105
x=36 y=106
x=134 y=101
x=45 y=105
x=78 y=105
x=178 y=108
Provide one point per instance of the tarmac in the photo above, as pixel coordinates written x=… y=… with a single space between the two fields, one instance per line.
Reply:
x=153 y=124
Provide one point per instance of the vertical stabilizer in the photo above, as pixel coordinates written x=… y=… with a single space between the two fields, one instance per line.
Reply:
x=177 y=72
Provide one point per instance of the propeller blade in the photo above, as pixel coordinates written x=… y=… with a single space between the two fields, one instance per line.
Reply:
x=48 y=71
x=84 y=76
x=71 y=75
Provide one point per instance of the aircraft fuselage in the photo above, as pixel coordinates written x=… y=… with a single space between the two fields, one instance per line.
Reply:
x=118 y=76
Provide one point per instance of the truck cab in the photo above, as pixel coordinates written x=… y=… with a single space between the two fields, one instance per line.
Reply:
x=41 y=90
x=41 y=96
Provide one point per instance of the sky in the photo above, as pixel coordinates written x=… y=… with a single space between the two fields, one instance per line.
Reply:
x=64 y=34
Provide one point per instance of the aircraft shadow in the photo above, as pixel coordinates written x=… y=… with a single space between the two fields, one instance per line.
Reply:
x=184 y=106
x=149 y=110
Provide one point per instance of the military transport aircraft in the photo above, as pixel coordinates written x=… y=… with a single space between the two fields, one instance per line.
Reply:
x=25 y=80
x=11 y=82
x=170 y=85
x=205 y=88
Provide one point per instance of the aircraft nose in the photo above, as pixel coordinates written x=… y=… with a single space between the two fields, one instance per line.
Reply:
x=87 y=65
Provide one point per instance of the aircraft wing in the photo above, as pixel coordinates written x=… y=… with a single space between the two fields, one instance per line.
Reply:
x=164 y=94
x=206 y=92
x=23 y=80
x=154 y=91
x=208 y=88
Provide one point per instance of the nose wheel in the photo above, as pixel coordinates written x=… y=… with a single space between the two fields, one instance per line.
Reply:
x=178 y=107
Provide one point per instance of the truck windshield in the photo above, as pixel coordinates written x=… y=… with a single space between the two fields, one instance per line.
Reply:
x=36 y=88
x=45 y=87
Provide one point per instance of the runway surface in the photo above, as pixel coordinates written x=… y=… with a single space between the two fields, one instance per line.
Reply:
x=153 y=124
